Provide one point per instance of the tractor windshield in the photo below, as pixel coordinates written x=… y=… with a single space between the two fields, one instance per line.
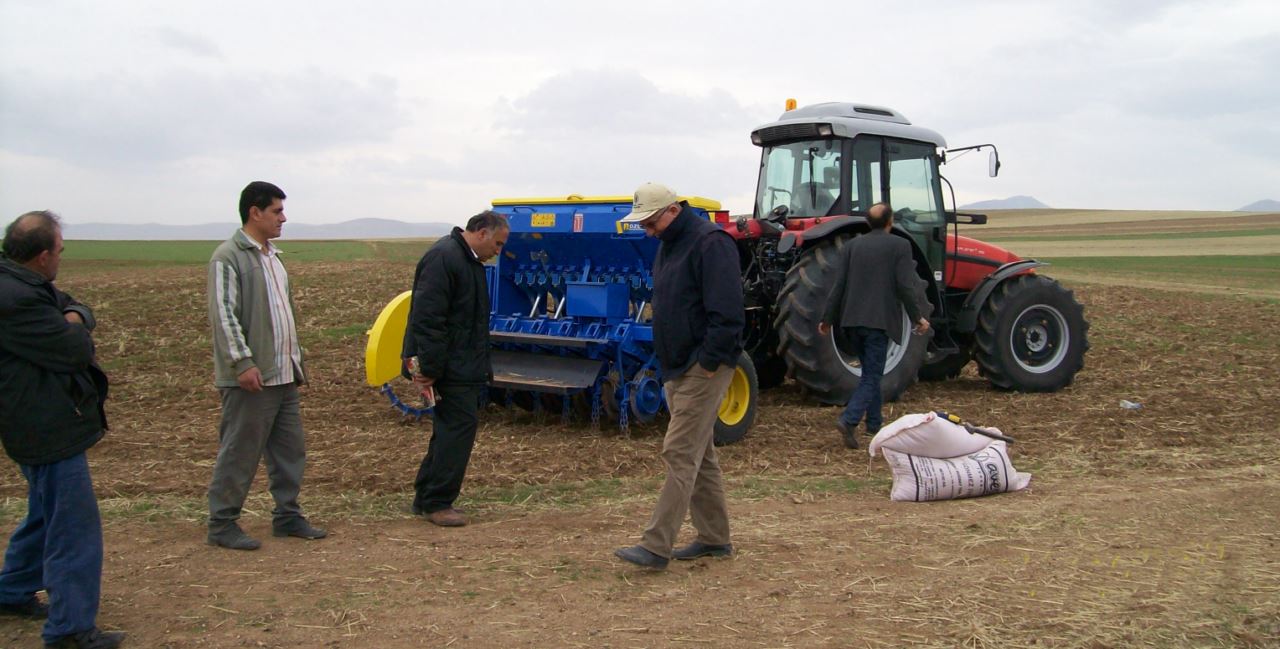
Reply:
x=835 y=176
x=803 y=176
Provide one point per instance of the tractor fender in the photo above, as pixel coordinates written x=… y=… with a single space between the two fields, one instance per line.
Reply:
x=967 y=320
x=818 y=232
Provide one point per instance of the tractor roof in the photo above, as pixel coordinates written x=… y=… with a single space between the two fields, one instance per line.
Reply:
x=846 y=120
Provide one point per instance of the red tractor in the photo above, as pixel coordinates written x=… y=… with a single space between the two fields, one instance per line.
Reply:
x=823 y=166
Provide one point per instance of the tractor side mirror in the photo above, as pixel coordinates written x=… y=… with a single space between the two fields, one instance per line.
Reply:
x=993 y=163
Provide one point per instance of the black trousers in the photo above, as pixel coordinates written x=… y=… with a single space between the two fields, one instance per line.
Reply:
x=453 y=434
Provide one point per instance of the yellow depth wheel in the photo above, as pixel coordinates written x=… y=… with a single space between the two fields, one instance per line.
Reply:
x=738 y=409
x=736 y=400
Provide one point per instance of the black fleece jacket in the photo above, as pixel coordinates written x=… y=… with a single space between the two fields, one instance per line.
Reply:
x=697 y=297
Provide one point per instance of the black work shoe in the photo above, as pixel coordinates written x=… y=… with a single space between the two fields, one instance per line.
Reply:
x=233 y=538
x=872 y=432
x=300 y=528
x=94 y=638
x=32 y=609
x=641 y=557
x=700 y=549
x=846 y=433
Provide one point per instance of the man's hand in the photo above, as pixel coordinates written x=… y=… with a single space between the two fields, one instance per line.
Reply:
x=251 y=380
x=72 y=316
x=421 y=383
x=824 y=328
x=922 y=326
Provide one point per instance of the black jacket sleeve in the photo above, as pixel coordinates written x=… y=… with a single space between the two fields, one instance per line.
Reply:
x=36 y=331
x=722 y=300
x=429 y=317
x=69 y=304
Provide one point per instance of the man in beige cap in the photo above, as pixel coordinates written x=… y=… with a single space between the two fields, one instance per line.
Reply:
x=697 y=336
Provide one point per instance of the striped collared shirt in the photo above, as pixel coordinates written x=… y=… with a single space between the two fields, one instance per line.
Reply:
x=282 y=324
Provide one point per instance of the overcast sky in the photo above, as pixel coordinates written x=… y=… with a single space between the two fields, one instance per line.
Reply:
x=133 y=112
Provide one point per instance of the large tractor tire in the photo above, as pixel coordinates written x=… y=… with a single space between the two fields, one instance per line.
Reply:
x=945 y=367
x=826 y=366
x=738 y=408
x=1031 y=335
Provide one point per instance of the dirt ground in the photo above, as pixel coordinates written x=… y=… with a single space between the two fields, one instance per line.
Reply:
x=1155 y=527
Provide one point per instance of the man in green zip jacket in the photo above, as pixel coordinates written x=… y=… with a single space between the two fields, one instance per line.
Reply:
x=258 y=367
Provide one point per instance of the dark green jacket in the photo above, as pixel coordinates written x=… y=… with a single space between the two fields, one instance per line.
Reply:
x=240 y=314
x=51 y=391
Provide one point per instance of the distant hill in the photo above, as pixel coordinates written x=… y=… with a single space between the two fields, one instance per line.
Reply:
x=1011 y=203
x=356 y=229
x=1265 y=205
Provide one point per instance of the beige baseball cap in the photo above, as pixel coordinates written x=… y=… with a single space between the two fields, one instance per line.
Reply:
x=650 y=198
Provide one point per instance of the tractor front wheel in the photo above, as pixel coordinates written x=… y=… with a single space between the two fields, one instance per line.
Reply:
x=1031 y=335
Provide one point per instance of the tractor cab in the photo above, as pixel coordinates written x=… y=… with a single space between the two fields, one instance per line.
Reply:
x=836 y=160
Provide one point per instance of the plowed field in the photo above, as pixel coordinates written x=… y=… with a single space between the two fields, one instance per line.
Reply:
x=1151 y=527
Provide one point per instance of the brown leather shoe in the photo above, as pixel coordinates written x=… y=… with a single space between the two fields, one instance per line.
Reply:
x=447 y=518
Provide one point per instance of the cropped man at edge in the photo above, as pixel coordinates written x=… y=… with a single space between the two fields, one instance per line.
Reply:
x=52 y=395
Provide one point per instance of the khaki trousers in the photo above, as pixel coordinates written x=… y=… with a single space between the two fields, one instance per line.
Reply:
x=693 y=483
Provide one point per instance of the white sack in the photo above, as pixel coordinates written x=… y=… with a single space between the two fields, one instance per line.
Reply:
x=927 y=435
x=988 y=471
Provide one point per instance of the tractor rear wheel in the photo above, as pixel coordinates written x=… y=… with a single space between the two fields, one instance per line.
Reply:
x=826 y=366
x=1031 y=335
x=738 y=408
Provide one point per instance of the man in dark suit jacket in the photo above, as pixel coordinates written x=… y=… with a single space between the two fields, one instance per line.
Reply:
x=876 y=279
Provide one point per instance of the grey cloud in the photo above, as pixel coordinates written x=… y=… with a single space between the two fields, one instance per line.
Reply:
x=594 y=102
x=600 y=132
x=187 y=42
x=1239 y=79
x=183 y=114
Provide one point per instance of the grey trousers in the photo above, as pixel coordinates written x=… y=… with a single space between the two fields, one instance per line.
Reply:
x=255 y=424
x=693 y=483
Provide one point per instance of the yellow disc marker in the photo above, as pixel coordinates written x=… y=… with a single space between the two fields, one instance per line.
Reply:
x=386 y=340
